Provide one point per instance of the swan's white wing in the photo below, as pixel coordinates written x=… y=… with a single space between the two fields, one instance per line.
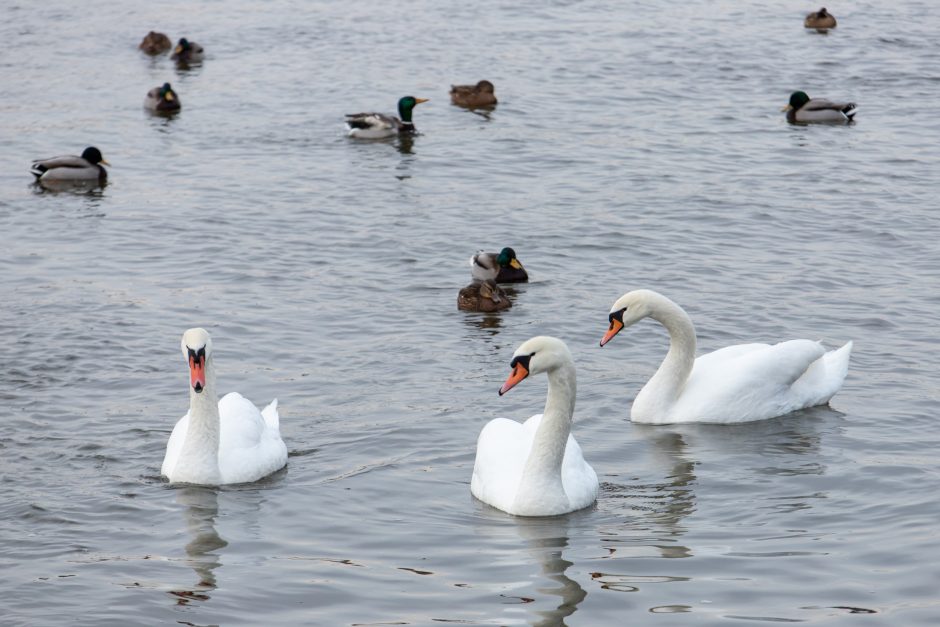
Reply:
x=502 y=450
x=744 y=384
x=823 y=378
x=577 y=476
x=249 y=447
x=174 y=445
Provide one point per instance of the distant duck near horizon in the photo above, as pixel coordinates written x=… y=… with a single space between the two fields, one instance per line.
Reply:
x=155 y=43
x=86 y=168
x=502 y=267
x=223 y=441
x=735 y=384
x=820 y=20
x=802 y=108
x=380 y=125
x=187 y=52
x=162 y=99
x=473 y=96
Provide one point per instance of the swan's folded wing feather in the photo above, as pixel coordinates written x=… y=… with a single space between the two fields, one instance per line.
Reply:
x=270 y=415
x=502 y=449
x=174 y=445
x=241 y=423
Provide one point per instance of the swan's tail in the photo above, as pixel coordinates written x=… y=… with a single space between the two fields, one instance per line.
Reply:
x=271 y=416
x=824 y=377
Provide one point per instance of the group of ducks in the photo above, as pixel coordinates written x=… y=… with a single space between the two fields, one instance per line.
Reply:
x=535 y=468
x=88 y=167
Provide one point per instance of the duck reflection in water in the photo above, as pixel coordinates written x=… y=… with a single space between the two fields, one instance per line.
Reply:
x=202 y=508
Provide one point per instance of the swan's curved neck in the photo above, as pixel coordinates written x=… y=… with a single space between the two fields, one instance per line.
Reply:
x=541 y=477
x=665 y=386
x=200 y=452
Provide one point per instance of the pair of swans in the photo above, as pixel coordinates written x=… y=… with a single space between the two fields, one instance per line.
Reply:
x=537 y=469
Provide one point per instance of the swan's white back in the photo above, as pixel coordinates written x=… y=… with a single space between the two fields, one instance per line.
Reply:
x=250 y=444
x=502 y=450
x=747 y=382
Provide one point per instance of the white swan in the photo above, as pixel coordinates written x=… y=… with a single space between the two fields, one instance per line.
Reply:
x=536 y=468
x=735 y=384
x=219 y=442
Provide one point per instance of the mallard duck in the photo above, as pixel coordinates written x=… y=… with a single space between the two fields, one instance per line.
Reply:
x=803 y=109
x=820 y=20
x=502 y=267
x=482 y=296
x=155 y=43
x=473 y=96
x=71 y=168
x=187 y=52
x=378 y=125
x=162 y=99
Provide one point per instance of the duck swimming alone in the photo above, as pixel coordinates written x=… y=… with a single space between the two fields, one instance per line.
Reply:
x=379 y=125
x=483 y=296
x=162 y=99
x=187 y=52
x=820 y=20
x=503 y=267
x=804 y=109
x=473 y=96
x=86 y=168
x=155 y=43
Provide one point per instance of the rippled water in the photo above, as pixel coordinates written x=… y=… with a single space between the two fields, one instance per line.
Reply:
x=635 y=145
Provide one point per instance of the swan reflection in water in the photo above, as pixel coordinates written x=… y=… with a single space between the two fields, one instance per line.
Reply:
x=540 y=553
x=202 y=508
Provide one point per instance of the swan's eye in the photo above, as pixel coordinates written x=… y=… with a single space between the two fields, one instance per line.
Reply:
x=616 y=315
x=521 y=359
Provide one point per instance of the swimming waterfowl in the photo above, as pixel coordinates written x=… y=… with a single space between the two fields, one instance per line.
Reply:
x=379 y=125
x=187 y=52
x=473 y=96
x=739 y=383
x=155 y=43
x=162 y=99
x=820 y=20
x=85 y=168
x=536 y=468
x=803 y=109
x=502 y=267
x=220 y=441
x=483 y=296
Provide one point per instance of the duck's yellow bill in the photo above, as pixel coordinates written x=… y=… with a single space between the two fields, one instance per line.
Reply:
x=515 y=264
x=420 y=100
x=786 y=108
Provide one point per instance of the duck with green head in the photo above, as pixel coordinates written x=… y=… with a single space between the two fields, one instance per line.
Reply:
x=502 y=267
x=803 y=109
x=379 y=125
x=162 y=99
x=69 y=168
x=187 y=52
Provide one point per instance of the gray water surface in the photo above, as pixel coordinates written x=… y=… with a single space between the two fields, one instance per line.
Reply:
x=635 y=145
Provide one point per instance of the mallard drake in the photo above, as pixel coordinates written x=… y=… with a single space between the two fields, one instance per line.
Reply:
x=162 y=99
x=502 y=267
x=155 y=43
x=378 y=125
x=473 y=96
x=820 y=20
x=71 y=168
x=187 y=52
x=804 y=109
x=482 y=296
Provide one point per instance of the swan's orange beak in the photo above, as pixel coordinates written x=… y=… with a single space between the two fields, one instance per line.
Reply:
x=519 y=372
x=615 y=326
x=197 y=372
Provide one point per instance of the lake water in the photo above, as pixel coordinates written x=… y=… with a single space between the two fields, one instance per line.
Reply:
x=635 y=145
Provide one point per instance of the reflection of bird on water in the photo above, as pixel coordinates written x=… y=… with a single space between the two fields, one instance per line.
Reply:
x=546 y=538
x=202 y=508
